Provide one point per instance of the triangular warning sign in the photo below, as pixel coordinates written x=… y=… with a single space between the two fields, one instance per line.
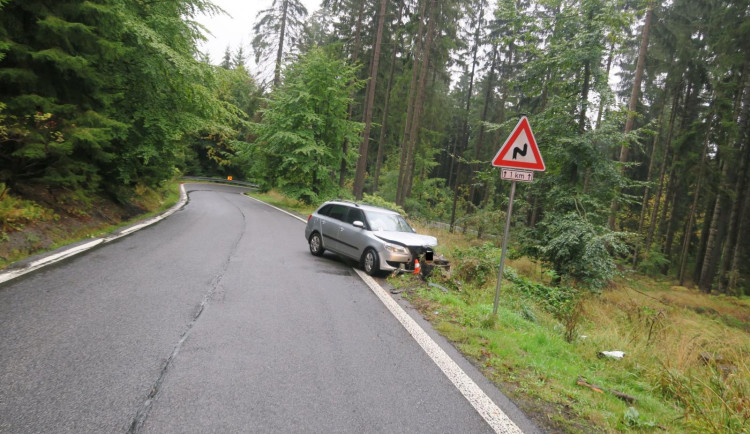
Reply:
x=520 y=150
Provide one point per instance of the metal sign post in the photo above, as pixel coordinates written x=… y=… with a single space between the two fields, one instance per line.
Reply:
x=505 y=246
x=516 y=157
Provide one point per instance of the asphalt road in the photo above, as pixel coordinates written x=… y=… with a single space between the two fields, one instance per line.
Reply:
x=216 y=319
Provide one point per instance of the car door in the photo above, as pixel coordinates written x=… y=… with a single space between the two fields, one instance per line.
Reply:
x=331 y=226
x=352 y=238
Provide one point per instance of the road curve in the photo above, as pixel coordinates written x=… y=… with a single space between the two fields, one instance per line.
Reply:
x=215 y=320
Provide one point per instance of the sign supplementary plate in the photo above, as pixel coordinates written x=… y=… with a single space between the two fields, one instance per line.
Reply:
x=520 y=151
x=516 y=175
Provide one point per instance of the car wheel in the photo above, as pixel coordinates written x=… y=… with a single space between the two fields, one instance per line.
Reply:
x=370 y=262
x=316 y=244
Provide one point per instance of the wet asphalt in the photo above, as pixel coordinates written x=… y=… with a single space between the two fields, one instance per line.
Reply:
x=216 y=319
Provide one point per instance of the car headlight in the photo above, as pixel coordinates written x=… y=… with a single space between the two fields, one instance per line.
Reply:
x=395 y=248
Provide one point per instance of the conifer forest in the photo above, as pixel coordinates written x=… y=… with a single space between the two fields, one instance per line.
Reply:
x=640 y=108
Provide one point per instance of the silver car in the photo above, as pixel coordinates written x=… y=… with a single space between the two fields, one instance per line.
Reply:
x=379 y=239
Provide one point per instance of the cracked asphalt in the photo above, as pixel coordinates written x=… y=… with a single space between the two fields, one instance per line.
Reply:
x=216 y=319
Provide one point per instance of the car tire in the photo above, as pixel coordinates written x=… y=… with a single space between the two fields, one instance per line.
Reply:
x=370 y=262
x=316 y=244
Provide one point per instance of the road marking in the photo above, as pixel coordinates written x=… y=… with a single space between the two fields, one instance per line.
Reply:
x=35 y=265
x=490 y=412
x=486 y=408
x=57 y=257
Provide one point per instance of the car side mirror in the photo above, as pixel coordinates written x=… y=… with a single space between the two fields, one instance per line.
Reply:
x=358 y=224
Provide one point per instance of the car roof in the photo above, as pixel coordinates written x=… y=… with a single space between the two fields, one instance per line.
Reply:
x=360 y=206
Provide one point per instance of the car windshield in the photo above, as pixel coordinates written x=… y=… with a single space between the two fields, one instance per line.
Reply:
x=380 y=221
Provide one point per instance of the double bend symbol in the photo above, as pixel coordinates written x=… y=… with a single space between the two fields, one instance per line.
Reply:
x=517 y=151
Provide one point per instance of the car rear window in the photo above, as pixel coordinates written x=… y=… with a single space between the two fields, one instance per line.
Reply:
x=325 y=210
x=338 y=211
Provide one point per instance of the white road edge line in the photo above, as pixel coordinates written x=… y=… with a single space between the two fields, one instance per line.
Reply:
x=278 y=209
x=48 y=260
x=484 y=405
x=490 y=412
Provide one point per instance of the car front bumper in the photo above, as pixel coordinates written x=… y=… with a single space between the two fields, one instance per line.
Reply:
x=390 y=261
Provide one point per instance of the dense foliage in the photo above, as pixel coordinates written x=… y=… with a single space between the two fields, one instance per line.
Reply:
x=105 y=95
x=304 y=127
x=640 y=110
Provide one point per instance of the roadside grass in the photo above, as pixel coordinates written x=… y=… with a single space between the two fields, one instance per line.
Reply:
x=275 y=198
x=523 y=352
x=685 y=352
x=50 y=226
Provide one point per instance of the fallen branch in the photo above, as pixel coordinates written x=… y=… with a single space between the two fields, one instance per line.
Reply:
x=625 y=397
x=582 y=382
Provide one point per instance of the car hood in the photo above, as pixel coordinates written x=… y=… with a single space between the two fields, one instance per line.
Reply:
x=407 y=238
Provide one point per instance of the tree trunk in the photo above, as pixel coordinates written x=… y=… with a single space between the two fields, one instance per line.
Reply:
x=734 y=271
x=706 y=276
x=733 y=233
x=585 y=88
x=465 y=128
x=534 y=211
x=646 y=189
x=662 y=173
x=633 y=104
x=359 y=177
x=453 y=148
x=696 y=193
x=386 y=105
x=419 y=102
x=355 y=58
x=740 y=184
x=700 y=248
x=610 y=57
x=358 y=32
x=280 y=51
x=405 y=140
x=669 y=223
x=480 y=138
x=410 y=146
x=678 y=177
x=504 y=86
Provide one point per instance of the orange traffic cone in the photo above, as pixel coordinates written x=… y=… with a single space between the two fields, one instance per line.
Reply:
x=417 y=267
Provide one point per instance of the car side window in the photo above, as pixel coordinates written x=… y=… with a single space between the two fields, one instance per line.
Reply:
x=326 y=210
x=338 y=212
x=354 y=215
